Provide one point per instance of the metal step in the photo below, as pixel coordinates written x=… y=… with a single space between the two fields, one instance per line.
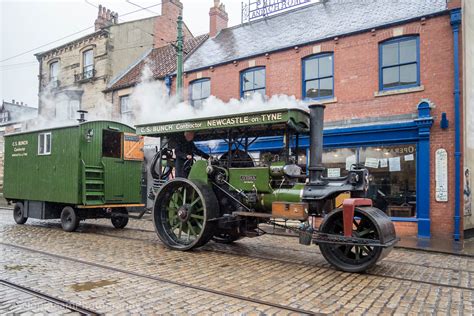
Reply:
x=94 y=181
x=91 y=193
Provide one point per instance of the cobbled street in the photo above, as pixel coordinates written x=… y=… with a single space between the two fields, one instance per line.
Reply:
x=100 y=269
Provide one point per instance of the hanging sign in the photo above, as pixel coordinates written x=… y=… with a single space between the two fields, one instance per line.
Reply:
x=254 y=9
x=441 y=170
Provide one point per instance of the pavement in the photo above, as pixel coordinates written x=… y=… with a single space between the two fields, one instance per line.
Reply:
x=129 y=271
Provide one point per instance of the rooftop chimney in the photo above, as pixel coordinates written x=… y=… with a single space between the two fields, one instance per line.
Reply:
x=171 y=9
x=218 y=18
x=105 y=18
x=165 y=24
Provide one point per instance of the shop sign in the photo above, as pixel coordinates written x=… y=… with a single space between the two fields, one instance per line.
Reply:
x=441 y=174
x=254 y=9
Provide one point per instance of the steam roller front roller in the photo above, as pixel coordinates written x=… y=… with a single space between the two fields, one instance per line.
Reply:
x=182 y=213
x=369 y=223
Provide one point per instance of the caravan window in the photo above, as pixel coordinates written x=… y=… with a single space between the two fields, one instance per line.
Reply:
x=111 y=144
x=44 y=144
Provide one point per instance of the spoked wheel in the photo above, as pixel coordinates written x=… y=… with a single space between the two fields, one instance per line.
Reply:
x=69 y=219
x=19 y=213
x=119 y=222
x=370 y=223
x=182 y=212
x=226 y=237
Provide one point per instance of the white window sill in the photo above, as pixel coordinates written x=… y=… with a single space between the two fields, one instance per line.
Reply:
x=399 y=91
x=322 y=101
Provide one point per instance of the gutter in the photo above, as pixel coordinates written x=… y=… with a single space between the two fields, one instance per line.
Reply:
x=455 y=16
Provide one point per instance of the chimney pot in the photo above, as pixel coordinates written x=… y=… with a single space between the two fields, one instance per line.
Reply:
x=218 y=18
x=13 y=101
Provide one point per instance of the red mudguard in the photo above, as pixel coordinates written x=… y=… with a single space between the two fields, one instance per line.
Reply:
x=348 y=207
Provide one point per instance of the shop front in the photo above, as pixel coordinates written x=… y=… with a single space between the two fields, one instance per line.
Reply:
x=397 y=155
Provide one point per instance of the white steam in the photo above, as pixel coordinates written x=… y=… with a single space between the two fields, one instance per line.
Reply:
x=60 y=109
x=151 y=103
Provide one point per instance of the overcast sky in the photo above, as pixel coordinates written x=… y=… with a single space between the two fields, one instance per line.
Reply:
x=27 y=25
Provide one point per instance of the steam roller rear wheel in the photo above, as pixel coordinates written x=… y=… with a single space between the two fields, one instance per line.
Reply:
x=370 y=223
x=182 y=212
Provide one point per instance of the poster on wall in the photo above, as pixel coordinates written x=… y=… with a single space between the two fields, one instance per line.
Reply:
x=394 y=164
x=371 y=162
x=383 y=163
x=467 y=193
x=351 y=160
x=441 y=175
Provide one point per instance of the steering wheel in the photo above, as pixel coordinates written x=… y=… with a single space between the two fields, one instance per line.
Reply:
x=167 y=163
x=188 y=164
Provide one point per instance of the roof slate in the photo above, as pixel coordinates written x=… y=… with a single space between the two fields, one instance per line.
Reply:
x=162 y=62
x=311 y=23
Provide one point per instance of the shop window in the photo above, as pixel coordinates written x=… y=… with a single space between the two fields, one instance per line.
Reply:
x=111 y=144
x=125 y=106
x=318 y=77
x=44 y=144
x=199 y=91
x=392 y=172
x=252 y=81
x=399 y=63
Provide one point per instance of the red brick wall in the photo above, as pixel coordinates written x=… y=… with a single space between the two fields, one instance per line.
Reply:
x=356 y=80
x=165 y=24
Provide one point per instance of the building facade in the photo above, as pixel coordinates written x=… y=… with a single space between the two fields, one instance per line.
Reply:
x=468 y=54
x=74 y=76
x=14 y=116
x=387 y=72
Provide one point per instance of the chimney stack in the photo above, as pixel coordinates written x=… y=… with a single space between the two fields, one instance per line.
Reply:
x=171 y=9
x=218 y=18
x=105 y=18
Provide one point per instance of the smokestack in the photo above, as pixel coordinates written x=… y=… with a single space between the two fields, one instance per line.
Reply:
x=316 y=115
x=82 y=116
x=218 y=18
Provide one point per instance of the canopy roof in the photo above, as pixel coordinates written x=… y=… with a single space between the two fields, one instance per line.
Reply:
x=262 y=123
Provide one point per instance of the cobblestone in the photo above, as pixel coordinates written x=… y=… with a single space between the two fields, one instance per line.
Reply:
x=270 y=268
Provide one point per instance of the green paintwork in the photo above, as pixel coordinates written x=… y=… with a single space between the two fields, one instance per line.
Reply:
x=198 y=172
x=284 y=194
x=75 y=172
x=249 y=179
x=286 y=116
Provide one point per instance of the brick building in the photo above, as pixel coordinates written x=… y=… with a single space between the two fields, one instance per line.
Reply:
x=74 y=75
x=161 y=62
x=386 y=71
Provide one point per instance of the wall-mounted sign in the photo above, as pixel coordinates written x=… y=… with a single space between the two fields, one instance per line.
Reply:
x=254 y=9
x=441 y=171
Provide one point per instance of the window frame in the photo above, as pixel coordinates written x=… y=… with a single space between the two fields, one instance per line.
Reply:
x=53 y=78
x=248 y=70
x=44 y=135
x=190 y=91
x=84 y=64
x=304 y=80
x=129 y=110
x=381 y=67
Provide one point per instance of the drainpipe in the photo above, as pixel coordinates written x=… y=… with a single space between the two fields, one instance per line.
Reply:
x=168 y=83
x=455 y=23
x=179 y=66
